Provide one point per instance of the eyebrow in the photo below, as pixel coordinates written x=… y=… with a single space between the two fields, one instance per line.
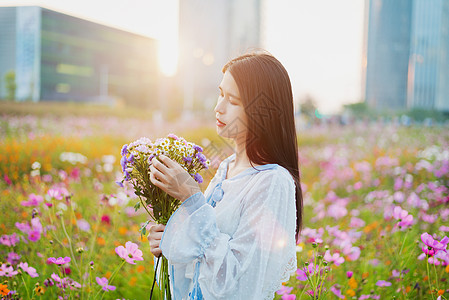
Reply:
x=233 y=96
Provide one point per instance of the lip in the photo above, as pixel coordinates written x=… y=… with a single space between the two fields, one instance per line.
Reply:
x=220 y=124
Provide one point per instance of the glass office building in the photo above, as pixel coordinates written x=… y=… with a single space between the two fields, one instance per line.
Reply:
x=57 y=57
x=407 y=54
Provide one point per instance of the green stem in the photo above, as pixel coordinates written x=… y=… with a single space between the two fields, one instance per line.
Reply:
x=430 y=281
x=403 y=242
x=70 y=244
x=26 y=287
x=110 y=280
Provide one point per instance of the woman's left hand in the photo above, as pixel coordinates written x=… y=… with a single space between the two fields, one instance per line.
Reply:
x=173 y=179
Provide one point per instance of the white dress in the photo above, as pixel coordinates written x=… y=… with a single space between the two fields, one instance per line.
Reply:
x=238 y=239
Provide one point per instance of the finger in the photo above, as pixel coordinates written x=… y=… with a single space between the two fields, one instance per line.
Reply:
x=158 y=174
x=162 y=163
x=166 y=160
x=155 y=181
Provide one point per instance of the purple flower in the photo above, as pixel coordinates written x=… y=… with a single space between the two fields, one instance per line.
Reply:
x=197 y=148
x=119 y=183
x=59 y=260
x=123 y=162
x=124 y=150
x=349 y=274
x=288 y=297
x=201 y=157
x=31 y=271
x=187 y=159
x=103 y=282
x=383 y=283
x=198 y=178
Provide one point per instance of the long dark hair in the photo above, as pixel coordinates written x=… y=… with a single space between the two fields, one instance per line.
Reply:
x=267 y=97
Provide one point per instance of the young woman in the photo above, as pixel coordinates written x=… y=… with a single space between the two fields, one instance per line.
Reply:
x=238 y=239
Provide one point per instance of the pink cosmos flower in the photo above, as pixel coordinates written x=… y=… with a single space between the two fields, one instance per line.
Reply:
x=352 y=253
x=59 y=260
x=349 y=274
x=13 y=257
x=383 y=283
x=335 y=258
x=288 y=297
x=284 y=290
x=402 y=216
x=34 y=235
x=437 y=245
x=55 y=193
x=33 y=200
x=129 y=253
x=364 y=297
x=103 y=282
x=30 y=270
x=7 y=271
x=395 y=273
x=9 y=240
x=337 y=292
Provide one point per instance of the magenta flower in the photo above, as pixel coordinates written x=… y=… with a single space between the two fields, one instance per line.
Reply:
x=288 y=297
x=383 y=283
x=34 y=235
x=349 y=274
x=103 y=282
x=59 y=260
x=30 y=270
x=437 y=245
x=403 y=217
x=129 y=253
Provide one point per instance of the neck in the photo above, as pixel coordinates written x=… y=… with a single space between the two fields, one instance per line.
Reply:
x=241 y=159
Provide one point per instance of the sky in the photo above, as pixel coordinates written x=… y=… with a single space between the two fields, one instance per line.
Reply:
x=318 y=41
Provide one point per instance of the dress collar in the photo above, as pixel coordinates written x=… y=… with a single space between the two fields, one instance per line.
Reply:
x=245 y=172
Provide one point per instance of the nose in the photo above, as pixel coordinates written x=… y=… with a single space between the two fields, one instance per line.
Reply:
x=219 y=108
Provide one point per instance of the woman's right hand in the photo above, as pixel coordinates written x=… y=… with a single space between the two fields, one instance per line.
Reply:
x=154 y=237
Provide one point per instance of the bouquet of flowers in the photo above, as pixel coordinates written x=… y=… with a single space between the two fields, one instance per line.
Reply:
x=136 y=162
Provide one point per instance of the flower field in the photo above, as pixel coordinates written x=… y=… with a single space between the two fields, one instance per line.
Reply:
x=375 y=220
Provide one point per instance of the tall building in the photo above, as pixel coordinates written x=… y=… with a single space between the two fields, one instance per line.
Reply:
x=58 y=57
x=407 y=54
x=211 y=33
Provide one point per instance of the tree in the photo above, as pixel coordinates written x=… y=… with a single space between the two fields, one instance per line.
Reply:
x=10 y=84
x=308 y=106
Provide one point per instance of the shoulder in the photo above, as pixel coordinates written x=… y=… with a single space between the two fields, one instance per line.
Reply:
x=275 y=173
